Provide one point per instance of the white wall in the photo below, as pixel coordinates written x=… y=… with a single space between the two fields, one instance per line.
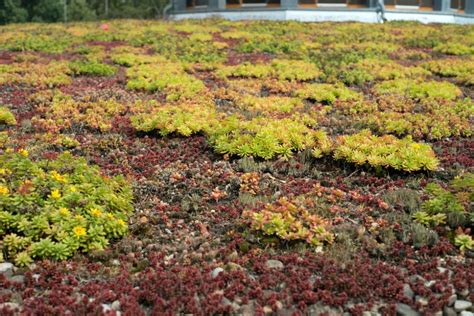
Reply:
x=328 y=15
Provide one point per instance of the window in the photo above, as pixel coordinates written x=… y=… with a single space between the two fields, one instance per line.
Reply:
x=458 y=4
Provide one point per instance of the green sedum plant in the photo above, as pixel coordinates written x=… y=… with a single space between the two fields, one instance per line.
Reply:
x=6 y=117
x=385 y=152
x=55 y=208
x=91 y=68
x=327 y=93
x=419 y=89
x=265 y=137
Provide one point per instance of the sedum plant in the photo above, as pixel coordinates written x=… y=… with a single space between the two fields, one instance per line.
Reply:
x=55 y=208
x=6 y=117
x=291 y=221
x=327 y=93
x=279 y=69
x=184 y=119
x=385 y=152
x=167 y=77
x=419 y=89
x=63 y=112
x=378 y=69
x=453 y=203
x=91 y=68
x=265 y=137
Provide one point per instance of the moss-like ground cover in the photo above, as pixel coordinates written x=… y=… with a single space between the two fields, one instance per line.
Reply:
x=216 y=167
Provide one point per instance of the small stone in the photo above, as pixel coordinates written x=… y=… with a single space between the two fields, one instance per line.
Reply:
x=116 y=305
x=6 y=268
x=106 y=308
x=248 y=309
x=448 y=311
x=143 y=220
x=452 y=299
x=278 y=305
x=407 y=291
x=466 y=313
x=406 y=310
x=274 y=264
x=225 y=301
x=267 y=310
x=442 y=270
x=216 y=272
x=464 y=293
x=115 y=262
x=421 y=300
x=9 y=305
x=430 y=283
x=461 y=305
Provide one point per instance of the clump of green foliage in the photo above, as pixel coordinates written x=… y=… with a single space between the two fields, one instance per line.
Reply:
x=265 y=138
x=376 y=69
x=55 y=208
x=385 y=152
x=431 y=119
x=167 y=77
x=460 y=69
x=291 y=221
x=92 y=68
x=184 y=119
x=327 y=93
x=419 y=89
x=279 y=69
x=454 y=49
x=450 y=205
x=7 y=117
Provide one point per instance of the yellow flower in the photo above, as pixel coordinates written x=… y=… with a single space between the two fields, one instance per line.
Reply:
x=110 y=215
x=96 y=212
x=64 y=211
x=23 y=152
x=72 y=189
x=79 y=231
x=9 y=150
x=121 y=222
x=3 y=190
x=55 y=194
x=3 y=171
x=56 y=176
x=79 y=217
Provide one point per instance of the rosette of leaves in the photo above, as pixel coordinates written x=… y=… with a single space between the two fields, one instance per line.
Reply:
x=266 y=137
x=385 y=152
x=451 y=206
x=55 y=208
x=288 y=220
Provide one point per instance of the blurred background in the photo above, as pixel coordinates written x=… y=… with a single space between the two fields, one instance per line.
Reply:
x=16 y=11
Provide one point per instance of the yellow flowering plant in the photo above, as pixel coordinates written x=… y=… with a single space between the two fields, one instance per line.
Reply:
x=55 y=208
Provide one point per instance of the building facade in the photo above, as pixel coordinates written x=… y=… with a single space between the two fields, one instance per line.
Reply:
x=442 y=11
